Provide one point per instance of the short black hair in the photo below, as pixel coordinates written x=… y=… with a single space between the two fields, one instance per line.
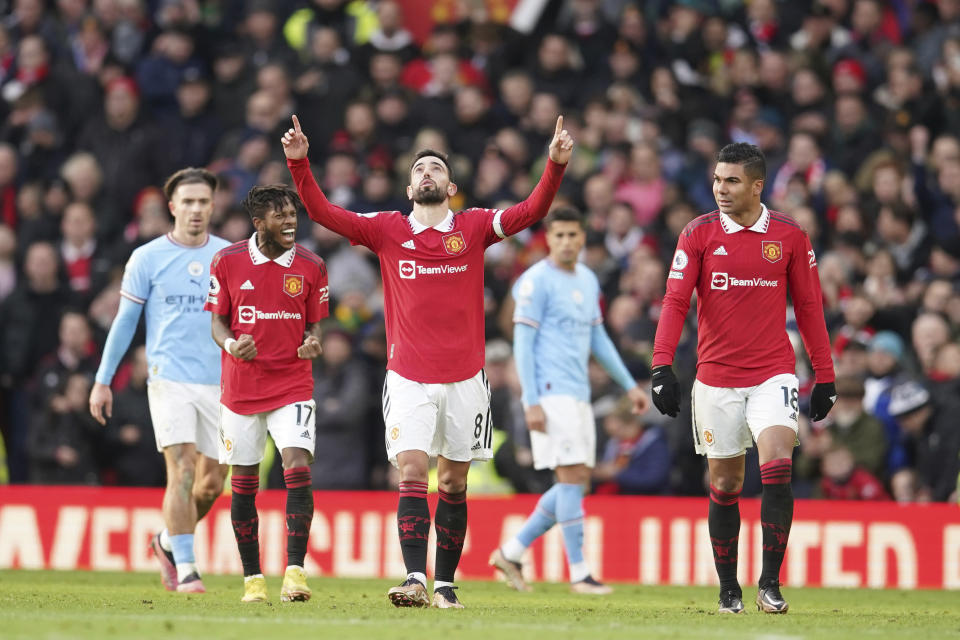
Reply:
x=271 y=197
x=190 y=175
x=423 y=153
x=748 y=155
x=565 y=214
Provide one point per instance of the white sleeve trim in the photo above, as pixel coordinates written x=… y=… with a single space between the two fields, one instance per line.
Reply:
x=498 y=226
x=527 y=321
x=132 y=298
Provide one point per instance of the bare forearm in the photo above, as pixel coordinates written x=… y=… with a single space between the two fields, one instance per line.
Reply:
x=220 y=329
x=312 y=329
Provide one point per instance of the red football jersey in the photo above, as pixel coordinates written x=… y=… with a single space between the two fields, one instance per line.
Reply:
x=742 y=276
x=432 y=276
x=272 y=300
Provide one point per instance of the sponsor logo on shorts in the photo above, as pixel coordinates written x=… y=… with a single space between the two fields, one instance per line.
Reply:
x=394 y=433
x=722 y=281
x=476 y=447
x=305 y=434
x=793 y=416
x=708 y=436
x=228 y=445
x=771 y=250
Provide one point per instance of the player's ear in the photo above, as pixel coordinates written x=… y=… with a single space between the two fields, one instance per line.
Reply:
x=757 y=187
x=451 y=190
x=409 y=192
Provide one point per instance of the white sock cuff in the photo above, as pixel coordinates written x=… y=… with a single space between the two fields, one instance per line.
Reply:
x=512 y=550
x=165 y=540
x=419 y=577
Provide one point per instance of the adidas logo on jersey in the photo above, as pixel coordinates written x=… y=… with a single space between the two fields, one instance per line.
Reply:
x=408 y=245
x=721 y=251
x=246 y=286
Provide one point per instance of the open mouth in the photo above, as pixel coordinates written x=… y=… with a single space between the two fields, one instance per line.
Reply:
x=288 y=234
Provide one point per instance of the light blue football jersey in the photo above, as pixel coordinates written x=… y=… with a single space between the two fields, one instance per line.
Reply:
x=563 y=306
x=171 y=280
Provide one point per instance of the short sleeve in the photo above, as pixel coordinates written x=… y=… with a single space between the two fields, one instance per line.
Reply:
x=318 y=304
x=218 y=295
x=135 y=285
x=531 y=298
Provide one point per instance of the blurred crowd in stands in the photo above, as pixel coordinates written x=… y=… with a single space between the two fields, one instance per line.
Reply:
x=856 y=104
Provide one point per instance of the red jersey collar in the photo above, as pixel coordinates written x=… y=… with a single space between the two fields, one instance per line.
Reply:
x=444 y=225
x=760 y=226
x=256 y=256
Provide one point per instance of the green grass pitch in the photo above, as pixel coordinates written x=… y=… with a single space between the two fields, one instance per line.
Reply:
x=51 y=604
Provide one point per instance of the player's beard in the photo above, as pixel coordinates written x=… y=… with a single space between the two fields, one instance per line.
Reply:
x=269 y=243
x=432 y=196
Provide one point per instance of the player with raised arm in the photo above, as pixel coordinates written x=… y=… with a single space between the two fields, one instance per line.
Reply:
x=436 y=399
x=557 y=326
x=742 y=260
x=268 y=295
x=167 y=279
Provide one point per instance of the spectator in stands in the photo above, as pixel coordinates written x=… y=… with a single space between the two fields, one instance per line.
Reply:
x=65 y=442
x=342 y=392
x=75 y=353
x=8 y=267
x=160 y=73
x=233 y=83
x=129 y=434
x=636 y=458
x=262 y=40
x=843 y=479
x=848 y=426
x=931 y=428
x=193 y=131
x=129 y=149
x=930 y=332
x=31 y=314
x=85 y=259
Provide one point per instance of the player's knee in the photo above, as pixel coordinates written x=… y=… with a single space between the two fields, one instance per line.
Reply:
x=413 y=472
x=727 y=483
x=207 y=488
x=452 y=482
x=207 y=492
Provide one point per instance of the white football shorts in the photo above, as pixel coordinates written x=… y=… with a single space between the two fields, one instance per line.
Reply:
x=571 y=436
x=728 y=420
x=447 y=419
x=243 y=438
x=184 y=413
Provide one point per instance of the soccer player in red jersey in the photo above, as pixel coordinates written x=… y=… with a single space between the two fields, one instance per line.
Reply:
x=742 y=260
x=268 y=295
x=436 y=399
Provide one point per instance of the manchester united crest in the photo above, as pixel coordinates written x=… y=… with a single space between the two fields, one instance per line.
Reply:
x=292 y=284
x=454 y=243
x=708 y=436
x=771 y=250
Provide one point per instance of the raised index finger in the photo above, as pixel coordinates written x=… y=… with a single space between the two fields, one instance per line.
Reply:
x=296 y=124
x=559 y=125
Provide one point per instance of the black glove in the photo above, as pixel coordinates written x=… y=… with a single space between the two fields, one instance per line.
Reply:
x=822 y=399
x=666 y=391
